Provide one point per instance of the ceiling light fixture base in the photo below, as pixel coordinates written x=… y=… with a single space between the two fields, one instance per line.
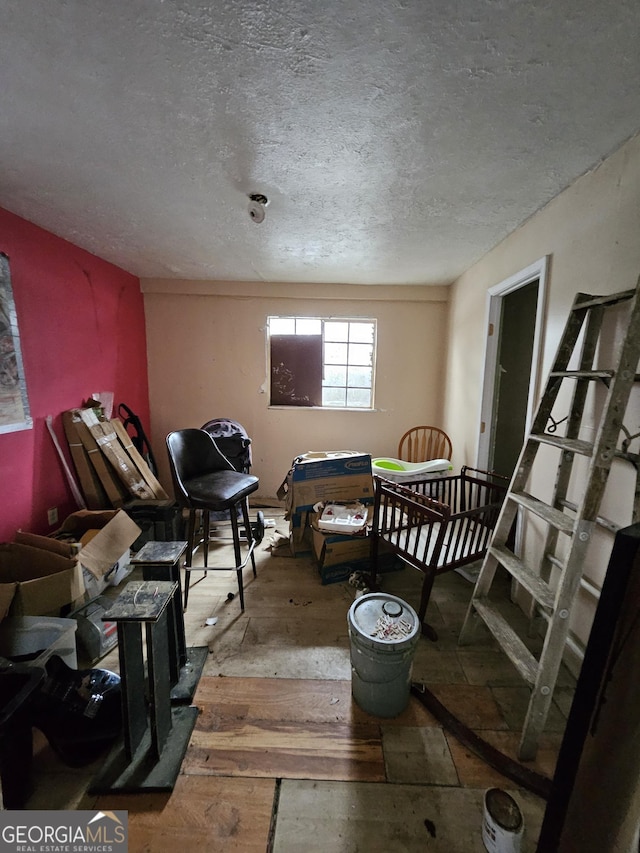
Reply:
x=257 y=205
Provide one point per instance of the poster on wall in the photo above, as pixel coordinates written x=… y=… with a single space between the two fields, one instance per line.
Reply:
x=14 y=403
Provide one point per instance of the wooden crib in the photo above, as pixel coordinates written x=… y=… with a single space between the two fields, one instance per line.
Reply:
x=436 y=524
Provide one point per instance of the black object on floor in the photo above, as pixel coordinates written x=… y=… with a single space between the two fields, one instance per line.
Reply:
x=78 y=711
x=18 y=684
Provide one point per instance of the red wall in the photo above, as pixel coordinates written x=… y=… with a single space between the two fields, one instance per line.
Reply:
x=82 y=331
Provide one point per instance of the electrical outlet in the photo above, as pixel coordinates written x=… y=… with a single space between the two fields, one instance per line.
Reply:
x=52 y=516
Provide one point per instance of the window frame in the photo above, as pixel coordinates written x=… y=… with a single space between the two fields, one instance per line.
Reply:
x=371 y=321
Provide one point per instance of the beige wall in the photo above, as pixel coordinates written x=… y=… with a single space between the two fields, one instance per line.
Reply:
x=592 y=234
x=207 y=359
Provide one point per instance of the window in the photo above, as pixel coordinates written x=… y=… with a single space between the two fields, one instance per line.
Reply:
x=321 y=362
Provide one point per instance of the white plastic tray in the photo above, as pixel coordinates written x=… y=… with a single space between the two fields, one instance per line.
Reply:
x=337 y=518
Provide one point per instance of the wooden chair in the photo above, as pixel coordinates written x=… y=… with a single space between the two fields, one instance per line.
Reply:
x=423 y=443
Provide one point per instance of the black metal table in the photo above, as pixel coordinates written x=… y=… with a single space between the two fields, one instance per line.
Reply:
x=155 y=732
x=160 y=561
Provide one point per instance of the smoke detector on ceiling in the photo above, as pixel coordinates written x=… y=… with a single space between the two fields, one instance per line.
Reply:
x=257 y=205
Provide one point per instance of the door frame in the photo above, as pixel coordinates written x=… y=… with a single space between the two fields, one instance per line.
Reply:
x=537 y=270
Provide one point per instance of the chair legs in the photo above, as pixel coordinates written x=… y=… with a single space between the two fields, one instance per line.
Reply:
x=191 y=535
x=238 y=536
x=249 y=533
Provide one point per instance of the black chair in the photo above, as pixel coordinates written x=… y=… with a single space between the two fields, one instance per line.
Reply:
x=205 y=482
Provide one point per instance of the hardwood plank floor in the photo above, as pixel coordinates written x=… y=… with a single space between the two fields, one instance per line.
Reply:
x=202 y=813
x=282 y=759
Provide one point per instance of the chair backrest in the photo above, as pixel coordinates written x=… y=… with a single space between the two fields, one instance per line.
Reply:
x=423 y=443
x=193 y=453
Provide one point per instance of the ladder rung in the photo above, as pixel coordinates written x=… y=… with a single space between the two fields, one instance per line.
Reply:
x=582 y=374
x=509 y=641
x=554 y=517
x=551 y=558
x=607 y=299
x=611 y=526
x=574 y=445
x=532 y=582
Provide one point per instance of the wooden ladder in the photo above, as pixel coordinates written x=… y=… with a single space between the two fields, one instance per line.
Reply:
x=567 y=526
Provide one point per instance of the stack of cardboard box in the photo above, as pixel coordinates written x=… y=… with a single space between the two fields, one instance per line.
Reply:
x=318 y=478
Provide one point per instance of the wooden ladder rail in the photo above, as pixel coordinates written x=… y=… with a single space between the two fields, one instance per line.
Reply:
x=556 y=602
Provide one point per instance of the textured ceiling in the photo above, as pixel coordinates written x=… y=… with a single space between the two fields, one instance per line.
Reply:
x=397 y=141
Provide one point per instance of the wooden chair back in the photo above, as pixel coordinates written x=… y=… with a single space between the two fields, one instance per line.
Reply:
x=423 y=443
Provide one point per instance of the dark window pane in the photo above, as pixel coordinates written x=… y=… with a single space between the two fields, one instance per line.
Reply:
x=296 y=370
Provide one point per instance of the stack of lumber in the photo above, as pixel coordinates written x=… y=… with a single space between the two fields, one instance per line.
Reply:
x=110 y=469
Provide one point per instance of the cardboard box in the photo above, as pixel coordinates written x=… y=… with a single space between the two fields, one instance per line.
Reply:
x=339 y=572
x=327 y=476
x=299 y=533
x=39 y=575
x=330 y=549
x=104 y=539
x=338 y=555
x=37 y=582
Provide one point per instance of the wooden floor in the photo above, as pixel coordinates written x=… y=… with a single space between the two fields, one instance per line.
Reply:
x=282 y=759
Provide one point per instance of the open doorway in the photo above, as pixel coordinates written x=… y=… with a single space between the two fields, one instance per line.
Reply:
x=514 y=334
x=513 y=377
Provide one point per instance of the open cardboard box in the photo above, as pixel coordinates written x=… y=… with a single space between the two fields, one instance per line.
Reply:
x=327 y=476
x=104 y=538
x=338 y=555
x=35 y=581
x=320 y=476
x=39 y=574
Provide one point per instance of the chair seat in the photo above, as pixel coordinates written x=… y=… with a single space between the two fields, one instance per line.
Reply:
x=220 y=490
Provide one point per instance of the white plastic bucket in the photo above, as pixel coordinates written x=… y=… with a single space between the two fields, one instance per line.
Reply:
x=384 y=631
x=502 y=822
